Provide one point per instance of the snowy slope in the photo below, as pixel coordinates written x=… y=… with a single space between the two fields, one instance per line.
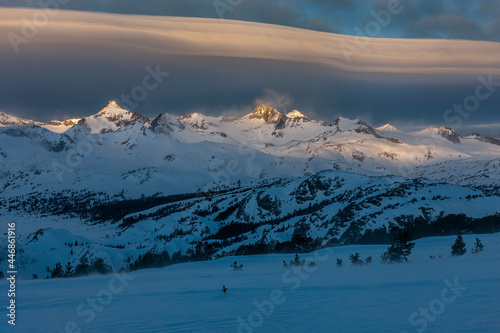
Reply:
x=332 y=207
x=10 y=120
x=286 y=145
x=369 y=298
x=276 y=175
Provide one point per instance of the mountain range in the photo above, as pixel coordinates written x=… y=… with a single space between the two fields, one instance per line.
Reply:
x=123 y=185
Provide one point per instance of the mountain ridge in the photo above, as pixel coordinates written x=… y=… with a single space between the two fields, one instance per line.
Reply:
x=121 y=117
x=124 y=186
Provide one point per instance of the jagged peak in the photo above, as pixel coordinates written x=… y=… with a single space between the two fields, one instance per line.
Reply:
x=165 y=123
x=10 y=120
x=268 y=114
x=262 y=109
x=387 y=128
x=113 y=107
x=165 y=115
x=487 y=139
x=346 y=124
x=191 y=115
x=444 y=131
x=114 y=104
x=296 y=114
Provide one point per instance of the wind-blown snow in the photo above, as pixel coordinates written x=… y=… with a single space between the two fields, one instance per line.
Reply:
x=369 y=298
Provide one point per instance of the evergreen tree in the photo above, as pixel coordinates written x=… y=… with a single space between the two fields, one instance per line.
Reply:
x=101 y=267
x=478 y=246
x=355 y=260
x=339 y=262
x=57 y=272
x=69 y=269
x=312 y=264
x=458 y=248
x=400 y=249
x=237 y=267
x=295 y=262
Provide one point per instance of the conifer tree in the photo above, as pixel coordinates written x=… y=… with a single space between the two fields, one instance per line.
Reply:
x=69 y=269
x=57 y=272
x=458 y=248
x=355 y=259
x=478 y=246
x=400 y=249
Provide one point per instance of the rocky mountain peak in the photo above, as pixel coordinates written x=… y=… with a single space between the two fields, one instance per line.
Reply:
x=268 y=114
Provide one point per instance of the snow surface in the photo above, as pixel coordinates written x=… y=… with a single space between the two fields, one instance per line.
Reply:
x=194 y=150
x=188 y=298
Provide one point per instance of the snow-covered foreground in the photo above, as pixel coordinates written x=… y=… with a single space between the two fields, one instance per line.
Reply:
x=448 y=294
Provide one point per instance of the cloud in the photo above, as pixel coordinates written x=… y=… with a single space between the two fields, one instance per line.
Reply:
x=79 y=61
x=422 y=18
x=280 y=101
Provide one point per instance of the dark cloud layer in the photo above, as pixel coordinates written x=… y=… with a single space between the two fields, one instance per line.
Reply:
x=52 y=83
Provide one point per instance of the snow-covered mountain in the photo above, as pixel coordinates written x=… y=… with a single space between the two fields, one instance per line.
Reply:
x=116 y=143
x=102 y=151
x=177 y=182
x=387 y=128
x=9 y=120
x=286 y=214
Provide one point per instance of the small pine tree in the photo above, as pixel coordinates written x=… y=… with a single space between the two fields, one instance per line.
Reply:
x=400 y=249
x=224 y=289
x=237 y=267
x=101 y=267
x=478 y=246
x=339 y=262
x=368 y=260
x=35 y=277
x=1 y=275
x=57 y=272
x=295 y=262
x=69 y=269
x=355 y=260
x=312 y=264
x=458 y=248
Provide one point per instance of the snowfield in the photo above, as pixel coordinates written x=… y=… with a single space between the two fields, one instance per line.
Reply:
x=448 y=294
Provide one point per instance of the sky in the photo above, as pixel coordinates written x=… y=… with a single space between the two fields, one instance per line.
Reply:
x=68 y=71
x=478 y=20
